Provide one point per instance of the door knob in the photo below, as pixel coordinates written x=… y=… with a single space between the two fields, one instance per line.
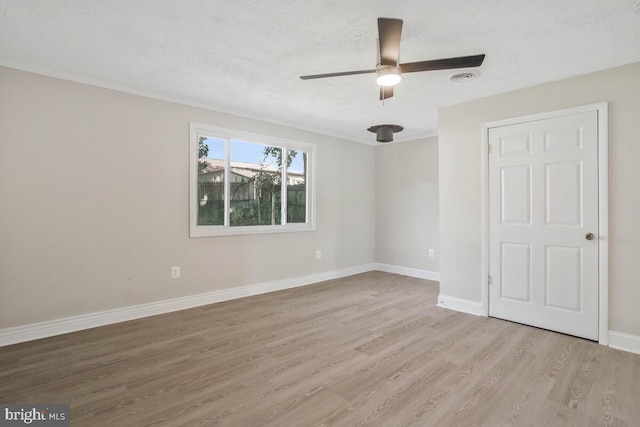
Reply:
x=589 y=236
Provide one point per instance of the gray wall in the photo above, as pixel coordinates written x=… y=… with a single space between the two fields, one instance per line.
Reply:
x=407 y=204
x=460 y=181
x=94 y=204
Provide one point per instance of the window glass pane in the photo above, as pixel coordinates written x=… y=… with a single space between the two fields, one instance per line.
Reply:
x=255 y=184
x=210 y=181
x=297 y=187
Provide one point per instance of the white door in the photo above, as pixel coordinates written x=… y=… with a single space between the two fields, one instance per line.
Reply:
x=543 y=226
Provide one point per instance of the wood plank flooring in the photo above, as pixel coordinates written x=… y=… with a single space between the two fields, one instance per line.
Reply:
x=371 y=349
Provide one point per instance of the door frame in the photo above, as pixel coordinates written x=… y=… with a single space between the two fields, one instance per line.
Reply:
x=602 y=110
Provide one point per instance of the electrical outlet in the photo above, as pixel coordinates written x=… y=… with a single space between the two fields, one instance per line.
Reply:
x=432 y=253
x=175 y=272
x=318 y=254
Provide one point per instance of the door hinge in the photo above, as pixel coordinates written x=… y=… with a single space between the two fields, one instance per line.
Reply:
x=489 y=280
x=489 y=148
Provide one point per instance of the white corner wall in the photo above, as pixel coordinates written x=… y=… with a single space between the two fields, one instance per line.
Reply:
x=461 y=191
x=407 y=206
x=94 y=205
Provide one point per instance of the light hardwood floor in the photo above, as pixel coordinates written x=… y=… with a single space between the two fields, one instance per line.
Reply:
x=371 y=349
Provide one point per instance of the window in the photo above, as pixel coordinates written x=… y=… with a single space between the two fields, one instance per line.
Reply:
x=243 y=183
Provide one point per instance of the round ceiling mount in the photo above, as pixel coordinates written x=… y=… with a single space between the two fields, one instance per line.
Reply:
x=463 y=77
x=384 y=133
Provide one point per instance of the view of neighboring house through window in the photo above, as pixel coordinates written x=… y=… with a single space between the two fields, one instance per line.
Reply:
x=211 y=173
x=249 y=183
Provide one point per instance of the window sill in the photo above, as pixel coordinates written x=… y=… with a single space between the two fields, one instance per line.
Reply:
x=217 y=231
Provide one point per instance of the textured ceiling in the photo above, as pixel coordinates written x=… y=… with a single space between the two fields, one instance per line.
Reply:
x=245 y=56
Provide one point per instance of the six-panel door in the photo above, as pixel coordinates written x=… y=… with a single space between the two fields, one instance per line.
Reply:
x=543 y=195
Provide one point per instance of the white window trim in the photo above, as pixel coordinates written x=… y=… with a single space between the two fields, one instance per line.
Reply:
x=195 y=230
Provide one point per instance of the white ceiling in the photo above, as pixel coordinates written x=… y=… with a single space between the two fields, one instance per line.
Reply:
x=245 y=56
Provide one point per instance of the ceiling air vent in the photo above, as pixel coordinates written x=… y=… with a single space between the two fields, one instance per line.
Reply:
x=463 y=77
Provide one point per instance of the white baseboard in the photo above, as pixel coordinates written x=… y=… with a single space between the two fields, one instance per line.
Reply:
x=459 y=304
x=406 y=271
x=15 y=335
x=51 y=328
x=626 y=342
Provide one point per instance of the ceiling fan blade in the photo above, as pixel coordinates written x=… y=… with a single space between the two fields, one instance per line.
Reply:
x=389 y=32
x=344 y=73
x=443 y=64
x=386 y=92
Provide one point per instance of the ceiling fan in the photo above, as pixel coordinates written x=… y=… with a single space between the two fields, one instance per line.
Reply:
x=389 y=69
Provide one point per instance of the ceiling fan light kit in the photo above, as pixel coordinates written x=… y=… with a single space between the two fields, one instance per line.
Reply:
x=388 y=76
